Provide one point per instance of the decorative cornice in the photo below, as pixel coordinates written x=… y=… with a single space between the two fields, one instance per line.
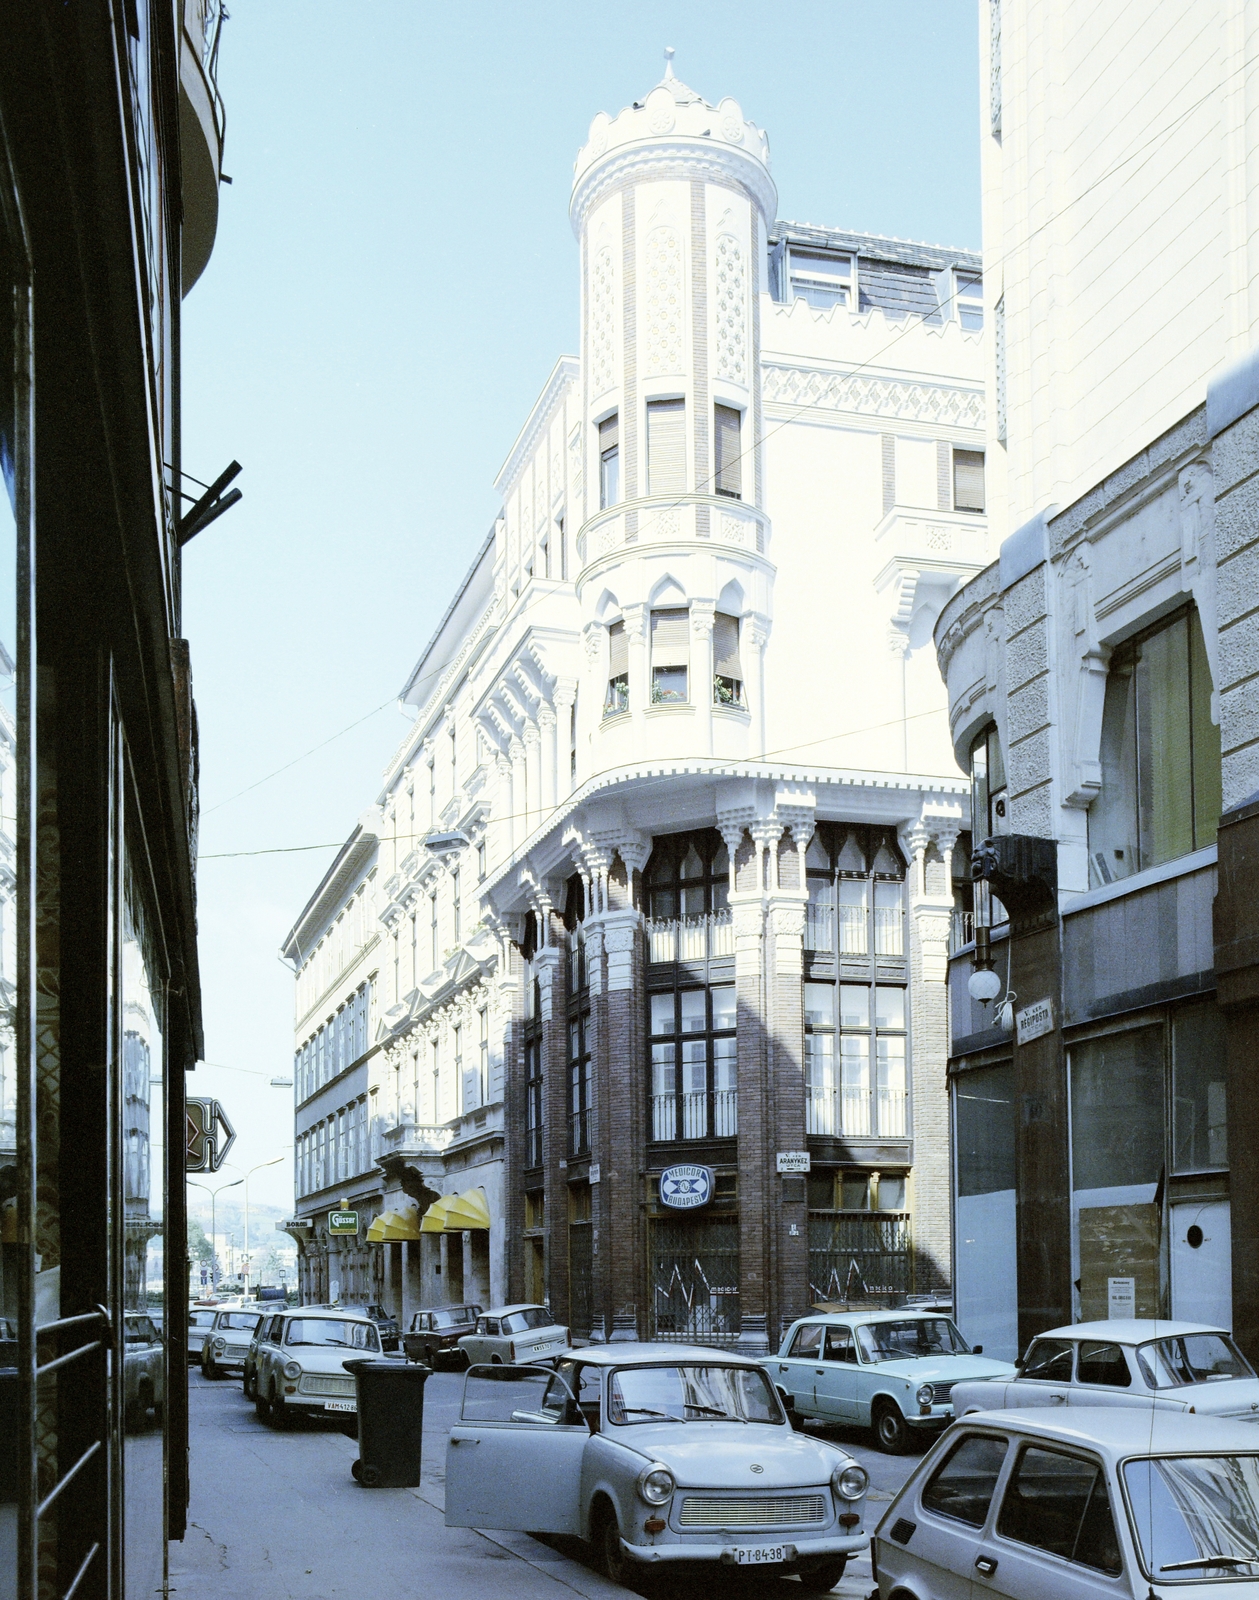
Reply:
x=907 y=400
x=681 y=159
x=566 y=371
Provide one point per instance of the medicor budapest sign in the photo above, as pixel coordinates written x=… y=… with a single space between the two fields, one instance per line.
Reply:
x=685 y=1187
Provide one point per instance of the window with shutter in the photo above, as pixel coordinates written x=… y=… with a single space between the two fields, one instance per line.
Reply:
x=666 y=447
x=618 y=670
x=670 y=656
x=729 y=478
x=609 y=462
x=968 y=480
x=727 y=669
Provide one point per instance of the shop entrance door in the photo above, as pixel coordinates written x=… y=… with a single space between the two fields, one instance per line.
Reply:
x=695 y=1280
x=1202 y=1263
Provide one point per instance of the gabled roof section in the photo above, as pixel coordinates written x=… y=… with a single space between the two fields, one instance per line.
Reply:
x=347 y=868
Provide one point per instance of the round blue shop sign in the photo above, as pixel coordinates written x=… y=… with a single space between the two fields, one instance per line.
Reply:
x=686 y=1187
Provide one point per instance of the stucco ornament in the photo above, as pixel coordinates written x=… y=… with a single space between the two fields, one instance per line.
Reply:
x=731 y=309
x=664 y=300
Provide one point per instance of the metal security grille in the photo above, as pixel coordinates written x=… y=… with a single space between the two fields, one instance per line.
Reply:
x=341 y=1387
x=579 y=1271
x=859 y=1257
x=752 y=1511
x=695 y=1280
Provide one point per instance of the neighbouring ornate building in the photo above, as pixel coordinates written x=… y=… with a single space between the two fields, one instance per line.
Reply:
x=659 y=878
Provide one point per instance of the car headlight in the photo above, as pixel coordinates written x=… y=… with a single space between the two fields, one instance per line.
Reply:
x=655 y=1484
x=292 y=1370
x=220 y=1344
x=850 y=1482
x=926 y=1394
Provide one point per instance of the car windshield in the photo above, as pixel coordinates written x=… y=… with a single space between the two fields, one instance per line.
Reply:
x=691 y=1394
x=522 y=1321
x=905 y=1339
x=201 y=1319
x=450 y=1319
x=246 y=1320
x=1196 y=1517
x=1191 y=1358
x=332 y=1331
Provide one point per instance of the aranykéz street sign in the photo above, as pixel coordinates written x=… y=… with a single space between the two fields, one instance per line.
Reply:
x=209 y=1136
x=685 y=1187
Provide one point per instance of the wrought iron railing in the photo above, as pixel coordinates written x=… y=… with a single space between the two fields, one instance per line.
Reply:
x=700 y=1114
x=851 y=1111
x=691 y=938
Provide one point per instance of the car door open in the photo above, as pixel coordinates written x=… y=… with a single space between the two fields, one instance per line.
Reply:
x=514 y=1458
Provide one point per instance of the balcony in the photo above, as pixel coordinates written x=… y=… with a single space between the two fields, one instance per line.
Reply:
x=666 y=521
x=700 y=1114
x=855 y=930
x=201 y=126
x=409 y=1139
x=852 y=1113
x=691 y=938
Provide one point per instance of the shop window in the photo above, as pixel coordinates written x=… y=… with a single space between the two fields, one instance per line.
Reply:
x=1161 y=793
x=670 y=656
x=983 y=1120
x=694 y=1063
x=855 y=1060
x=1199 y=1090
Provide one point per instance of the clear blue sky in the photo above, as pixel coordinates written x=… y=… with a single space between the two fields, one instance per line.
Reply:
x=393 y=279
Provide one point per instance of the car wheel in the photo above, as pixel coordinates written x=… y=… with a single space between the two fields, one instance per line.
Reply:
x=496 y=1361
x=612 y=1558
x=823 y=1578
x=890 y=1433
x=281 y=1418
x=262 y=1409
x=209 y=1371
x=247 y=1384
x=793 y=1416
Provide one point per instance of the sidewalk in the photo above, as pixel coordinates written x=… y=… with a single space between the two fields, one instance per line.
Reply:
x=276 y=1516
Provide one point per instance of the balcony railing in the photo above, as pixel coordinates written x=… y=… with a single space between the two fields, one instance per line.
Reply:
x=853 y=1112
x=961 y=930
x=687 y=1116
x=691 y=938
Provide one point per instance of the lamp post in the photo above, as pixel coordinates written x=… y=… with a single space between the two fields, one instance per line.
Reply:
x=214 y=1230
x=245 y=1180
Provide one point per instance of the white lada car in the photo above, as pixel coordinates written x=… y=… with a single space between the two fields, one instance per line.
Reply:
x=300 y=1363
x=657 y=1454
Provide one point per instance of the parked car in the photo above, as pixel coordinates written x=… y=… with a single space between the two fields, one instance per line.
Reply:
x=892 y=1371
x=514 y=1333
x=299 y=1363
x=268 y=1326
x=227 y=1343
x=433 y=1338
x=200 y=1321
x=386 y=1325
x=143 y=1370
x=657 y=1454
x=1170 y=1366
x=1076 y=1505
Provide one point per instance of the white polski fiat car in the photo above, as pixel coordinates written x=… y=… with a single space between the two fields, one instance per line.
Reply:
x=514 y=1333
x=657 y=1454
x=1138 y=1361
x=300 y=1364
x=1077 y=1505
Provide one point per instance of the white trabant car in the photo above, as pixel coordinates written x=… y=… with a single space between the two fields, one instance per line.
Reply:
x=1076 y=1505
x=299 y=1366
x=893 y=1371
x=224 y=1348
x=1134 y=1362
x=657 y=1454
x=514 y=1333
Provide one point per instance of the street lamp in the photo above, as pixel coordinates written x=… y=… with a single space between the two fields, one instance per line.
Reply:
x=245 y=1180
x=214 y=1230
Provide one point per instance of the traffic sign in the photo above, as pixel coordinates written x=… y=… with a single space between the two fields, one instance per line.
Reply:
x=343 y=1222
x=209 y=1136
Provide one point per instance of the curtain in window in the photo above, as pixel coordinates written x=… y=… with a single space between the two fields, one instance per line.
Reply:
x=729 y=479
x=666 y=447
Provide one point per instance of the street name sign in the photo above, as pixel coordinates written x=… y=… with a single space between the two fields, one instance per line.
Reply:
x=208 y=1136
x=794 y=1161
x=343 y=1222
x=1034 y=1021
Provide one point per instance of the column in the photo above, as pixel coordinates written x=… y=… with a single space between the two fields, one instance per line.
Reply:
x=565 y=695
x=636 y=622
x=519 y=792
x=701 y=685
x=506 y=804
x=532 y=741
x=547 y=721
x=756 y=632
x=406 y=1285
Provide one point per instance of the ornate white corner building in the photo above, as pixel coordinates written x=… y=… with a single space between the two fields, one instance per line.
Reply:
x=660 y=875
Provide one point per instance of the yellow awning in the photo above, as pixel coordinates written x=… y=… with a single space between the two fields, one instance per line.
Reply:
x=391 y=1226
x=455 y=1212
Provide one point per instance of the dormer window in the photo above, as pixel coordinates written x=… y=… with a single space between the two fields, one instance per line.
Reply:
x=609 y=462
x=821 y=279
x=969 y=292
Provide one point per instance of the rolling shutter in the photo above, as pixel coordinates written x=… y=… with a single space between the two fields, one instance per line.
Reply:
x=729 y=477
x=726 y=647
x=968 y=480
x=618 y=651
x=666 y=447
x=669 y=645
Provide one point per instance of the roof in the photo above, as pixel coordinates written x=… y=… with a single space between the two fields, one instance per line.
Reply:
x=501 y=1311
x=407 y=692
x=1125 y=1430
x=1130 y=1330
x=626 y=1355
x=347 y=1314
x=876 y=246
x=347 y=866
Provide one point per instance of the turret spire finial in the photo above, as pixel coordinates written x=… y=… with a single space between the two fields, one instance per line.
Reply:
x=668 y=62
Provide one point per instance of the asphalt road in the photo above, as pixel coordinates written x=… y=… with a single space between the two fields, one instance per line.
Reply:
x=277 y=1516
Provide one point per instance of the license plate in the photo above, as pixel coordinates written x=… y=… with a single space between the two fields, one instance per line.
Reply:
x=340 y=1405
x=756 y=1555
